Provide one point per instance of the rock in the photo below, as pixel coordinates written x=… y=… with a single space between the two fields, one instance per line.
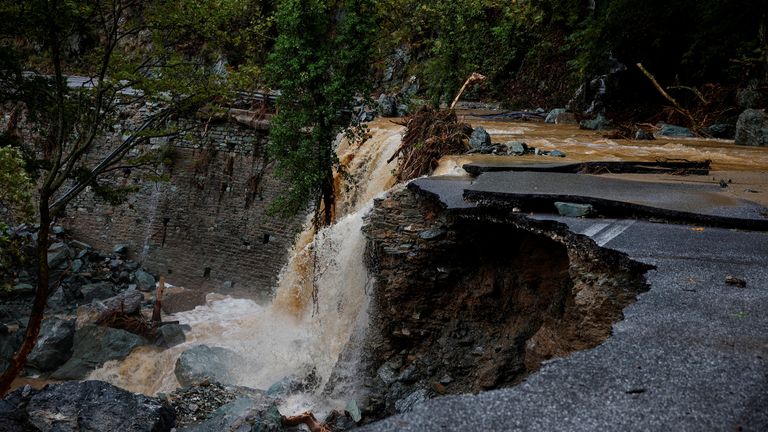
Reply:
x=243 y=414
x=57 y=230
x=552 y=116
x=115 y=264
x=406 y=404
x=97 y=291
x=516 y=148
x=76 y=265
x=432 y=234
x=556 y=153
x=750 y=97
x=10 y=341
x=54 y=345
x=402 y=110
x=203 y=362
x=57 y=300
x=574 y=210
x=598 y=123
x=169 y=335
x=89 y=406
x=131 y=266
x=737 y=282
x=387 y=106
x=127 y=301
x=675 y=131
x=387 y=374
x=178 y=299
x=145 y=281
x=58 y=256
x=720 y=130
x=752 y=128
x=228 y=285
x=479 y=139
x=642 y=134
x=292 y=384
x=95 y=345
x=353 y=410
x=120 y=249
x=23 y=290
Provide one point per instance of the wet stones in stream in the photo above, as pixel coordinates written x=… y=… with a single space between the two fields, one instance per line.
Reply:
x=88 y=406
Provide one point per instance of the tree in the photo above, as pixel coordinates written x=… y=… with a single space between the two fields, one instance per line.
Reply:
x=130 y=56
x=320 y=63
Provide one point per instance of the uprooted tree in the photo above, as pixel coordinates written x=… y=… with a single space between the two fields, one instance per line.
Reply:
x=128 y=58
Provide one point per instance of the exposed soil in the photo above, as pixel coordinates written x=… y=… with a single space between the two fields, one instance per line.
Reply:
x=474 y=300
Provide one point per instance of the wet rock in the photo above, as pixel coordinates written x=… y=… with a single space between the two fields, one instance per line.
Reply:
x=145 y=281
x=675 y=131
x=642 y=134
x=479 y=139
x=95 y=345
x=387 y=374
x=57 y=300
x=243 y=414
x=97 y=291
x=574 y=210
x=723 y=131
x=752 y=128
x=598 y=123
x=54 y=345
x=552 y=116
x=202 y=362
x=57 y=230
x=22 y=290
x=402 y=110
x=120 y=249
x=353 y=410
x=128 y=302
x=76 y=265
x=750 y=97
x=196 y=403
x=387 y=105
x=406 y=404
x=556 y=153
x=89 y=406
x=338 y=421
x=292 y=384
x=432 y=234
x=169 y=335
x=516 y=148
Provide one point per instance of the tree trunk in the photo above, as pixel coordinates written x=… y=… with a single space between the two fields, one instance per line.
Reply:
x=38 y=307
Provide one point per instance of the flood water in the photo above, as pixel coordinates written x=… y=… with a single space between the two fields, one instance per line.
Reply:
x=321 y=297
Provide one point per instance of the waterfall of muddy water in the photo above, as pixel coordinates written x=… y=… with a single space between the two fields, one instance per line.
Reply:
x=296 y=333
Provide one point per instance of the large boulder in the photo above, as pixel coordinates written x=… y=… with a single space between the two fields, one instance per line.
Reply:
x=127 y=302
x=479 y=139
x=387 y=106
x=97 y=291
x=54 y=345
x=752 y=128
x=145 y=281
x=89 y=406
x=675 y=131
x=202 y=362
x=94 y=346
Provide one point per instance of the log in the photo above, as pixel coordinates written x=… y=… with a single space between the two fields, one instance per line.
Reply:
x=157 y=318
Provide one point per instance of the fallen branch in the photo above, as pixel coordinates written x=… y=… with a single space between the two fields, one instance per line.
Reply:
x=667 y=96
x=157 y=318
x=475 y=77
x=307 y=419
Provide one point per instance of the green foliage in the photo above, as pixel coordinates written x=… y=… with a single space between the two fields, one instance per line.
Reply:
x=15 y=187
x=320 y=63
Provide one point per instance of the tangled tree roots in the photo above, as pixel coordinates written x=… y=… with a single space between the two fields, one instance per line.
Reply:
x=429 y=135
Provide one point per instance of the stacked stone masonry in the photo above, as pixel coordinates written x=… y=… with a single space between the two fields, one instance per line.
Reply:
x=206 y=227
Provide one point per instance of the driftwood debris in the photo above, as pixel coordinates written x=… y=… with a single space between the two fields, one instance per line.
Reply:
x=429 y=136
x=127 y=303
x=308 y=419
x=679 y=108
x=157 y=311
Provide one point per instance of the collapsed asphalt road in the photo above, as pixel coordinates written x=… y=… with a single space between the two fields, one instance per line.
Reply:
x=691 y=353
